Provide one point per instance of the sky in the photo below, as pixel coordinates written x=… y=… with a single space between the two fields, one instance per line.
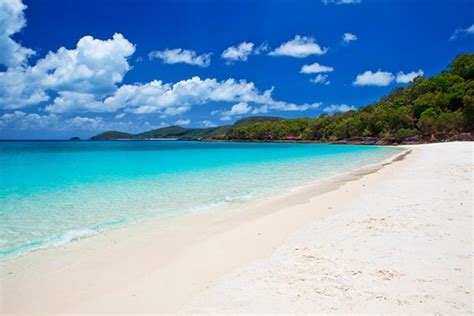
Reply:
x=77 y=68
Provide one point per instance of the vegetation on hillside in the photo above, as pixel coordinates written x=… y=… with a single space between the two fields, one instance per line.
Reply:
x=436 y=107
x=112 y=135
x=179 y=132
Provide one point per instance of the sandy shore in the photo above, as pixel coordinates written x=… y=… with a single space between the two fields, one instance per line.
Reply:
x=387 y=238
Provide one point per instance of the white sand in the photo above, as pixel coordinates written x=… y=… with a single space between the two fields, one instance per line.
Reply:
x=402 y=243
x=398 y=239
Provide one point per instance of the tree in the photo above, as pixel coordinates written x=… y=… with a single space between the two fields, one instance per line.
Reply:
x=463 y=66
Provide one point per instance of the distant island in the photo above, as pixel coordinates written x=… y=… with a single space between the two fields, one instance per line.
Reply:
x=439 y=108
x=178 y=132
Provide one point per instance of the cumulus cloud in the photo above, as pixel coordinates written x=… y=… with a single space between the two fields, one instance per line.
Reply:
x=378 y=78
x=179 y=55
x=315 y=68
x=170 y=99
x=19 y=88
x=348 y=37
x=172 y=111
x=207 y=123
x=384 y=78
x=262 y=48
x=239 y=52
x=320 y=79
x=299 y=47
x=94 y=67
x=19 y=120
x=237 y=109
x=408 y=77
x=326 y=2
x=333 y=108
x=260 y=109
x=12 y=20
x=68 y=101
x=460 y=32
x=24 y=121
x=242 y=51
x=182 y=122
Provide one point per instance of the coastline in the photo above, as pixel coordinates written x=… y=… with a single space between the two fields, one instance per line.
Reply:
x=160 y=267
x=402 y=246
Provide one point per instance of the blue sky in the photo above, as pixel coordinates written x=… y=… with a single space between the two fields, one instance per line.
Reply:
x=76 y=68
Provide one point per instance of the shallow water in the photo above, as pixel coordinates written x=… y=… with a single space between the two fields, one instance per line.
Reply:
x=57 y=191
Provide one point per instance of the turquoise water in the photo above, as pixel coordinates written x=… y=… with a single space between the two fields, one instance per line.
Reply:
x=54 y=192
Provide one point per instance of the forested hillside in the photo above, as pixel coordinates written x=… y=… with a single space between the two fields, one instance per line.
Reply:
x=428 y=109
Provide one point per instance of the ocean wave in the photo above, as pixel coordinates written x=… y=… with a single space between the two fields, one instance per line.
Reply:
x=57 y=241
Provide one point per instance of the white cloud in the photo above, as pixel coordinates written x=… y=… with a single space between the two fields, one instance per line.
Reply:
x=68 y=101
x=284 y=106
x=378 y=78
x=182 y=122
x=179 y=55
x=340 y=1
x=12 y=20
x=171 y=99
x=239 y=52
x=459 y=32
x=19 y=120
x=207 y=123
x=156 y=96
x=242 y=51
x=261 y=109
x=24 y=121
x=348 y=37
x=321 y=79
x=120 y=116
x=237 y=109
x=94 y=67
x=171 y=111
x=20 y=88
x=299 y=47
x=333 y=108
x=315 y=68
x=408 y=77
x=262 y=48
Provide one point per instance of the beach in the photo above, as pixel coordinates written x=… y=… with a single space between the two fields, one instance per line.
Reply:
x=392 y=237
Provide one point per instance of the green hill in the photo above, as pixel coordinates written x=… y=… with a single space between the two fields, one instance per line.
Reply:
x=182 y=133
x=112 y=135
x=178 y=132
x=252 y=120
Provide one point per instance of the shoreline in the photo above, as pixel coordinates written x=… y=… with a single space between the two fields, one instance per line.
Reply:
x=162 y=267
x=370 y=141
x=402 y=246
x=215 y=219
x=79 y=234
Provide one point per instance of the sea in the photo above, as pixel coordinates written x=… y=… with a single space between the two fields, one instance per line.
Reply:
x=54 y=192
